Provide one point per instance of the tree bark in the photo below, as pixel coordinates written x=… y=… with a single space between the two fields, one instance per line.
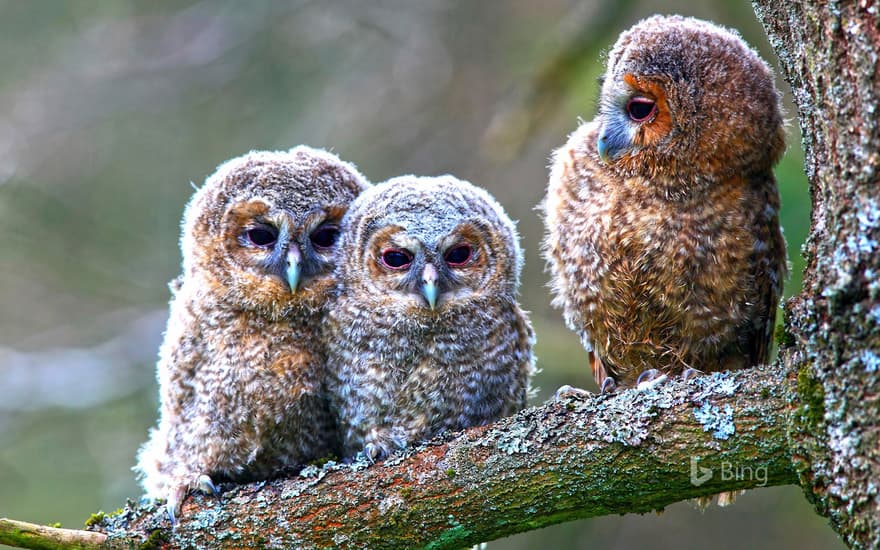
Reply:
x=829 y=54
x=636 y=451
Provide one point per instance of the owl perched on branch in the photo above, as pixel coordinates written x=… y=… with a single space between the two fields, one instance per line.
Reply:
x=663 y=234
x=240 y=369
x=426 y=335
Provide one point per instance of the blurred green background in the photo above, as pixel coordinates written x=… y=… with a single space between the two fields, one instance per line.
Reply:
x=109 y=109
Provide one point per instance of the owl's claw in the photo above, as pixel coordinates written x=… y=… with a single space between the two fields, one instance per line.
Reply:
x=206 y=485
x=608 y=385
x=373 y=452
x=567 y=392
x=173 y=503
x=649 y=378
x=690 y=373
x=169 y=510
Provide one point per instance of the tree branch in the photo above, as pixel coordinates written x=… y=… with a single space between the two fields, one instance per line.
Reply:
x=29 y=535
x=575 y=458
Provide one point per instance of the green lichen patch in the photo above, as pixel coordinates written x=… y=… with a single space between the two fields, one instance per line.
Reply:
x=95 y=519
x=157 y=540
x=812 y=409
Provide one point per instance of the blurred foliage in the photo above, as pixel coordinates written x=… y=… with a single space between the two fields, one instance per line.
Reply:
x=110 y=109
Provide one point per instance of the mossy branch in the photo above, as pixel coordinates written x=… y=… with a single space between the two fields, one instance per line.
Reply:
x=569 y=459
x=28 y=535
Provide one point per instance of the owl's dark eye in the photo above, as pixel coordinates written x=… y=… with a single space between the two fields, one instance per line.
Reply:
x=263 y=236
x=324 y=236
x=458 y=255
x=396 y=258
x=640 y=108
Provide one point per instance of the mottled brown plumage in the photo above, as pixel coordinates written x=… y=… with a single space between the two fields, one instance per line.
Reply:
x=663 y=235
x=241 y=367
x=426 y=335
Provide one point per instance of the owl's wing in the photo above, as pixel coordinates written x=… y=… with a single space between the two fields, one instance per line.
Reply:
x=768 y=268
x=525 y=360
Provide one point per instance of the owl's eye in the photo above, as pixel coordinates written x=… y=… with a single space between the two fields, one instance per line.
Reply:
x=458 y=255
x=640 y=108
x=324 y=236
x=396 y=258
x=263 y=236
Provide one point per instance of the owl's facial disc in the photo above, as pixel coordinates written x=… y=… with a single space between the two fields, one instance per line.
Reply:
x=292 y=249
x=635 y=115
x=434 y=275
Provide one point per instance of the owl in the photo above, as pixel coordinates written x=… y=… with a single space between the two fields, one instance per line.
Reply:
x=663 y=235
x=240 y=369
x=426 y=335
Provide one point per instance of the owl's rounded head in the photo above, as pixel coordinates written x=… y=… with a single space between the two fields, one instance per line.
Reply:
x=687 y=102
x=426 y=244
x=262 y=231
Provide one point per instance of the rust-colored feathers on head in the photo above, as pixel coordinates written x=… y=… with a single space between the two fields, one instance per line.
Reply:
x=241 y=368
x=663 y=235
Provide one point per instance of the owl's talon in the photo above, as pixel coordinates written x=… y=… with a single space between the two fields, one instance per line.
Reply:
x=172 y=508
x=373 y=452
x=608 y=386
x=690 y=373
x=569 y=392
x=206 y=485
x=650 y=378
x=169 y=509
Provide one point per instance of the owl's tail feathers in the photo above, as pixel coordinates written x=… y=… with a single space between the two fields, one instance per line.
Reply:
x=721 y=499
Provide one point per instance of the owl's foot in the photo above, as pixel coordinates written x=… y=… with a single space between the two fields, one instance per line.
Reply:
x=204 y=484
x=374 y=452
x=689 y=373
x=569 y=392
x=650 y=378
x=608 y=385
x=381 y=442
x=173 y=503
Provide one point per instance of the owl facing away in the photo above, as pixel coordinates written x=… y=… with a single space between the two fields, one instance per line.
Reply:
x=663 y=235
x=239 y=372
x=426 y=335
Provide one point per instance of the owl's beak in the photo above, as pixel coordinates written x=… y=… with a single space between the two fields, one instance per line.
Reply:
x=602 y=148
x=429 y=284
x=614 y=140
x=294 y=259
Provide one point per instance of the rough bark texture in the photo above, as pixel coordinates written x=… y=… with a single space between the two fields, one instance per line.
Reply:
x=632 y=452
x=829 y=54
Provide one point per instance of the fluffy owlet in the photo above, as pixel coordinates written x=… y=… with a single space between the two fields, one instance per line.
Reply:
x=240 y=371
x=426 y=335
x=662 y=213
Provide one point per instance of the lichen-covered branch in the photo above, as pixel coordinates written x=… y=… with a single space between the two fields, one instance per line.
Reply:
x=829 y=54
x=28 y=535
x=637 y=451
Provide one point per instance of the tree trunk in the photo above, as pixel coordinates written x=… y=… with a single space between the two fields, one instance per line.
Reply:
x=829 y=54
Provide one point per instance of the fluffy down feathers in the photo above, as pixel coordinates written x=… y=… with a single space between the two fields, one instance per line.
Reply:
x=426 y=335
